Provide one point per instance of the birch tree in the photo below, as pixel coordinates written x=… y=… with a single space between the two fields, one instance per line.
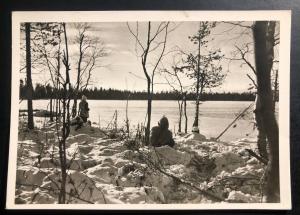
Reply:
x=46 y=44
x=175 y=77
x=150 y=49
x=263 y=32
x=244 y=53
x=90 y=51
x=30 y=124
x=65 y=120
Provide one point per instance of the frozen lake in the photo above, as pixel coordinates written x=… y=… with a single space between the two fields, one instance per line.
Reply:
x=214 y=115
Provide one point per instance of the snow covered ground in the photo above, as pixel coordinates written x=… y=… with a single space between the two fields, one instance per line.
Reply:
x=105 y=170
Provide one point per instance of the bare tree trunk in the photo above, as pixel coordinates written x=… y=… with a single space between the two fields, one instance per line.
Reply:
x=51 y=106
x=62 y=155
x=149 y=106
x=185 y=115
x=59 y=108
x=149 y=110
x=74 y=107
x=196 y=121
x=146 y=50
x=57 y=97
x=116 y=121
x=127 y=120
x=264 y=53
x=28 y=77
x=180 y=105
x=261 y=136
x=56 y=106
x=275 y=89
x=66 y=124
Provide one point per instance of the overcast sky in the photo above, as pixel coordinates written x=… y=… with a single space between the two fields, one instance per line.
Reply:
x=122 y=67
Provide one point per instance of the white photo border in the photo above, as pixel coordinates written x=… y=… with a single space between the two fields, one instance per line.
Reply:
x=283 y=16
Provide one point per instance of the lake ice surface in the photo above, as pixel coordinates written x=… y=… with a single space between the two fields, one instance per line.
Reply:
x=213 y=119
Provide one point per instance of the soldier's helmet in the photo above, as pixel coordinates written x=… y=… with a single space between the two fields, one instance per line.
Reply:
x=84 y=98
x=163 y=123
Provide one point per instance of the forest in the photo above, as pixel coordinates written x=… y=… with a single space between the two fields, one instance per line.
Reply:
x=46 y=92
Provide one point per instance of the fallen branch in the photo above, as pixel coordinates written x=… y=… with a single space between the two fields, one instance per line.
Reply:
x=240 y=115
x=189 y=184
x=261 y=159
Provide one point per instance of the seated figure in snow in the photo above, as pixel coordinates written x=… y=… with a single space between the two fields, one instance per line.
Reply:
x=160 y=135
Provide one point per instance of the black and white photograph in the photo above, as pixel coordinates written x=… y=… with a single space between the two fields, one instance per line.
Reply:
x=150 y=110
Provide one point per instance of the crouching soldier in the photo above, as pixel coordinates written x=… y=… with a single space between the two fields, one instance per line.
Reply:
x=160 y=135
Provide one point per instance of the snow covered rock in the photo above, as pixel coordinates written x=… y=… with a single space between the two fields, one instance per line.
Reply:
x=79 y=138
x=88 y=163
x=252 y=161
x=119 y=162
x=47 y=163
x=161 y=181
x=154 y=195
x=85 y=149
x=194 y=138
x=238 y=196
x=104 y=173
x=132 y=195
x=30 y=175
x=86 y=187
x=127 y=154
x=42 y=197
x=198 y=136
x=108 y=152
x=227 y=162
x=130 y=176
x=37 y=196
x=75 y=164
x=103 y=170
x=124 y=170
x=170 y=156
x=79 y=188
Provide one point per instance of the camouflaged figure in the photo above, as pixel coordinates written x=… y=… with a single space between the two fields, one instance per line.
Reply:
x=83 y=111
x=160 y=135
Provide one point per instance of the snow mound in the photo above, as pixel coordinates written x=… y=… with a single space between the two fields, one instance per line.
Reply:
x=102 y=170
x=227 y=161
x=170 y=156
x=194 y=138
x=104 y=173
x=30 y=175
x=79 y=188
x=238 y=196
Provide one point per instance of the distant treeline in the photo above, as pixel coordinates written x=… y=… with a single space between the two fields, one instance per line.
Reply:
x=46 y=92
